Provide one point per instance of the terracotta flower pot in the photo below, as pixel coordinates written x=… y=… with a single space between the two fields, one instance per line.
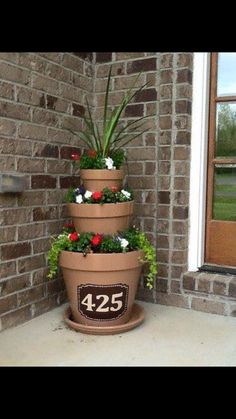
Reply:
x=101 y=218
x=101 y=288
x=97 y=180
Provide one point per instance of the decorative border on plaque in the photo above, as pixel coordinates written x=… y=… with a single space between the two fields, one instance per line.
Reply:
x=99 y=310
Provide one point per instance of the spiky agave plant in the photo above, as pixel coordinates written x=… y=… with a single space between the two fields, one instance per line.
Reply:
x=112 y=138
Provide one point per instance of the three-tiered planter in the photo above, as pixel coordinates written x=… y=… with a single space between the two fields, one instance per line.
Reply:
x=101 y=287
x=102 y=260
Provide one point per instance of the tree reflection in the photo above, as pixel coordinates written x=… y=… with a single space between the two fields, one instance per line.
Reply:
x=226 y=130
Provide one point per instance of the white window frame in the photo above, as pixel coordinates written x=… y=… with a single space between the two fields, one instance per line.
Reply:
x=198 y=169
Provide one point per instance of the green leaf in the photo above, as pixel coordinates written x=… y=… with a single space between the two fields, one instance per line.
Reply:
x=106 y=100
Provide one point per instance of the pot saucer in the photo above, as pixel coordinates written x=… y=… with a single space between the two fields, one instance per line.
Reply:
x=136 y=318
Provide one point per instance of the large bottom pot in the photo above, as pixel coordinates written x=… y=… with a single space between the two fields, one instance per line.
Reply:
x=101 y=288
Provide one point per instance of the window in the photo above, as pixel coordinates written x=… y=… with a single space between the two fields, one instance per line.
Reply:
x=220 y=246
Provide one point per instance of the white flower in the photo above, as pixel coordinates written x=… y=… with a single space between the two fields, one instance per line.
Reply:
x=123 y=242
x=61 y=236
x=126 y=193
x=79 y=199
x=109 y=163
x=88 y=194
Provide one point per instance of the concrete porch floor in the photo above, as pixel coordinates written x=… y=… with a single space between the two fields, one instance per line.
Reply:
x=169 y=336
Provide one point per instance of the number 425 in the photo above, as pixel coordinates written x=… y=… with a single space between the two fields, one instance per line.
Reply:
x=116 y=303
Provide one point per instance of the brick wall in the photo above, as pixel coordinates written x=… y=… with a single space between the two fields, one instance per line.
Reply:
x=41 y=94
x=159 y=160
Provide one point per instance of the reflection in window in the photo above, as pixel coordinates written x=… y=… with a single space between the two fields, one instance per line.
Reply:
x=226 y=130
x=226 y=85
x=224 y=198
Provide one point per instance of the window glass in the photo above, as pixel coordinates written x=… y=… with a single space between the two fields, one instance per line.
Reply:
x=226 y=84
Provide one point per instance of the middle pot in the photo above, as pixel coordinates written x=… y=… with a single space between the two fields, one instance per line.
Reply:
x=101 y=218
x=98 y=179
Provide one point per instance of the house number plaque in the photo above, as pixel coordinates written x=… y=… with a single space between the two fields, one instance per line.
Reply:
x=102 y=302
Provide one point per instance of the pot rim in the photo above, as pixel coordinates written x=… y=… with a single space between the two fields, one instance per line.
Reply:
x=106 y=210
x=101 y=262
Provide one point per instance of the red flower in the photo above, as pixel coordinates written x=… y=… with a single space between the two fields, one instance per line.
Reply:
x=75 y=156
x=69 y=225
x=73 y=236
x=97 y=196
x=114 y=189
x=96 y=240
x=92 y=153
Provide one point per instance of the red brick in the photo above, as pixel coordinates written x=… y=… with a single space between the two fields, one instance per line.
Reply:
x=16 y=317
x=78 y=110
x=164 y=197
x=146 y=95
x=58 y=72
x=30 y=295
x=134 y=110
x=232 y=287
x=33 y=132
x=69 y=181
x=6 y=90
x=44 y=305
x=166 y=60
x=57 y=166
x=165 y=122
x=12 y=251
x=31 y=231
x=184 y=76
x=7 y=269
x=54 y=286
x=146 y=64
x=14 y=73
x=172 y=300
x=72 y=62
x=207 y=306
x=41 y=245
x=25 y=165
x=40 y=276
x=183 y=106
x=161 y=285
x=183 y=138
x=7 y=164
x=8 y=303
x=180 y=213
x=43 y=117
x=84 y=55
x=7 y=127
x=31 y=198
x=66 y=152
x=43 y=182
x=30 y=97
x=7 y=234
x=166 y=76
x=45 y=84
x=45 y=213
x=15 y=147
x=45 y=150
x=103 y=57
x=17 y=283
x=15 y=111
x=31 y=263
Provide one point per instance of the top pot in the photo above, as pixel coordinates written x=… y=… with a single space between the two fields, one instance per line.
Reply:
x=98 y=179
